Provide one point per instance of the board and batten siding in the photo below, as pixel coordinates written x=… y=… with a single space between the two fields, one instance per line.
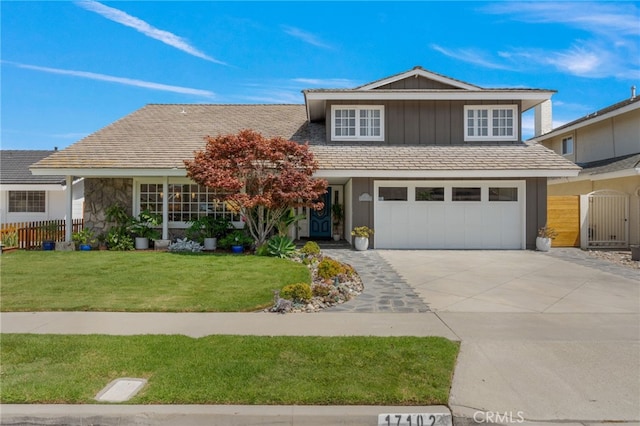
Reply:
x=423 y=122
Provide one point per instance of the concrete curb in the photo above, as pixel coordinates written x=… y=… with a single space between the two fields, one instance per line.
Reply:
x=196 y=415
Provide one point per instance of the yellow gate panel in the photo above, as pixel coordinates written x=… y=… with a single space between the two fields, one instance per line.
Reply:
x=563 y=214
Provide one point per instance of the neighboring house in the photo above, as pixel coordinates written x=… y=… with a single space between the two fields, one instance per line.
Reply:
x=606 y=144
x=426 y=160
x=25 y=197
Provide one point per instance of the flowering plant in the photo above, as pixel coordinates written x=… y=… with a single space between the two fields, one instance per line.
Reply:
x=362 y=231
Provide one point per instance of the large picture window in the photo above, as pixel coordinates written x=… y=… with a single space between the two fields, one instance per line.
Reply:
x=27 y=202
x=186 y=201
x=496 y=122
x=364 y=122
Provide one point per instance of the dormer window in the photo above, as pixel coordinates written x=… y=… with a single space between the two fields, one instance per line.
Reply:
x=490 y=122
x=357 y=122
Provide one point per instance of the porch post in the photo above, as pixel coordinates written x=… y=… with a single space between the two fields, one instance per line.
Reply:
x=69 y=210
x=165 y=208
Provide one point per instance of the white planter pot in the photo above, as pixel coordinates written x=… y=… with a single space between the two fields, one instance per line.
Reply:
x=543 y=244
x=336 y=237
x=361 y=243
x=210 y=243
x=142 y=243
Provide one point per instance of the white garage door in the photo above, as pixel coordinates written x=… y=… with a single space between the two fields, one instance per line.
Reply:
x=449 y=214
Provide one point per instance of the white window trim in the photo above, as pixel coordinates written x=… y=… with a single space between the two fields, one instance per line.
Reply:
x=570 y=152
x=490 y=109
x=357 y=137
x=171 y=181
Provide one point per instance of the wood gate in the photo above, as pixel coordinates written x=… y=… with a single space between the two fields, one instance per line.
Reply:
x=563 y=215
x=607 y=219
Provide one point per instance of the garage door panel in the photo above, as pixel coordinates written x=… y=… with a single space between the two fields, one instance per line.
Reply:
x=450 y=224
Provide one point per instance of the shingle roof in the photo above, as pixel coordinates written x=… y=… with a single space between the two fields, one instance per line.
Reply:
x=609 y=165
x=530 y=156
x=14 y=167
x=162 y=136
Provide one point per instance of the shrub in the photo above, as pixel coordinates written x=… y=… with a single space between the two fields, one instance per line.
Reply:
x=311 y=248
x=321 y=290
x=329 y=268
x=185 y=246
x=279 y=246
x=299 y=292
x=119 y=240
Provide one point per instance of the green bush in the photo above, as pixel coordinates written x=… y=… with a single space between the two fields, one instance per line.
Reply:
x=299 y=292
x=321 y=290
x=329 y=268
x=279 y=246
x=119 y=240
x=311 y=248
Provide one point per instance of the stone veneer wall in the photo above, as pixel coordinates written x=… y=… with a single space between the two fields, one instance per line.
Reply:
x=99 y=194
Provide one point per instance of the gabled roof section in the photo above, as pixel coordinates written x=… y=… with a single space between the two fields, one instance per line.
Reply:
x=591 y=118
x=14 y=168
x=419 y=72
x=419 y=84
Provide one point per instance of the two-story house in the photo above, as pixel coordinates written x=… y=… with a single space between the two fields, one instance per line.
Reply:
x=426 y=160
x=606 y=144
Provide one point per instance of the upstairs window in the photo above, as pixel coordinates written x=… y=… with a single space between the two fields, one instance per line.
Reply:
x=494 y=122
x=363 y=122
x=567 y=145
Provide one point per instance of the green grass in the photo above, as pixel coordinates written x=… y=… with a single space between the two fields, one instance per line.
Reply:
x=141 y=281
x=229 y=369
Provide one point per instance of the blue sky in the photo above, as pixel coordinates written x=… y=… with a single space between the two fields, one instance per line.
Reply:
x=71 y=68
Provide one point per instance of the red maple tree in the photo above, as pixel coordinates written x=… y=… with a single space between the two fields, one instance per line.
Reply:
x=262 y=178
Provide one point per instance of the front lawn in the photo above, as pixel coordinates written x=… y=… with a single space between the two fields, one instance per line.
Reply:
x=141 y=281
x=40 y=369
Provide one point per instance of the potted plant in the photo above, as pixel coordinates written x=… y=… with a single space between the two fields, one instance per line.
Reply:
x=543 y=240
x=236 y=241
x=83 y=239
x=207 y=230
x=338 y=215
x=143 y=229
x=362 y=234
x=49 y=235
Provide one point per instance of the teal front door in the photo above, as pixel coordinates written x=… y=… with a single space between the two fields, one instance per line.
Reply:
x=320 y=224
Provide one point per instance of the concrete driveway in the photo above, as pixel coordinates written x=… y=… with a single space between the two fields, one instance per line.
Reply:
x=543 y=338
x=512 y=281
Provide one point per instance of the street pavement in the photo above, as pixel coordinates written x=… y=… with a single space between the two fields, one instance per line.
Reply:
x=544 y=339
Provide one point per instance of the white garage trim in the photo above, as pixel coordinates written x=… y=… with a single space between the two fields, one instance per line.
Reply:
x=445 y=223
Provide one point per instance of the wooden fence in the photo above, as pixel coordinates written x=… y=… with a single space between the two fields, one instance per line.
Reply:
x=30 y=235
x=563 y=214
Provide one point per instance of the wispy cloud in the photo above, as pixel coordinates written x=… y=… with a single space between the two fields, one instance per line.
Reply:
x=609 y=49
x=306 y=37
x=606 y=18
x=145 y=28
x=472 y=56
x=118 y=80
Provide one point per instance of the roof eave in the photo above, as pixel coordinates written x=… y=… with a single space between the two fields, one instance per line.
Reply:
x=109 y=172
x=581 y=122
